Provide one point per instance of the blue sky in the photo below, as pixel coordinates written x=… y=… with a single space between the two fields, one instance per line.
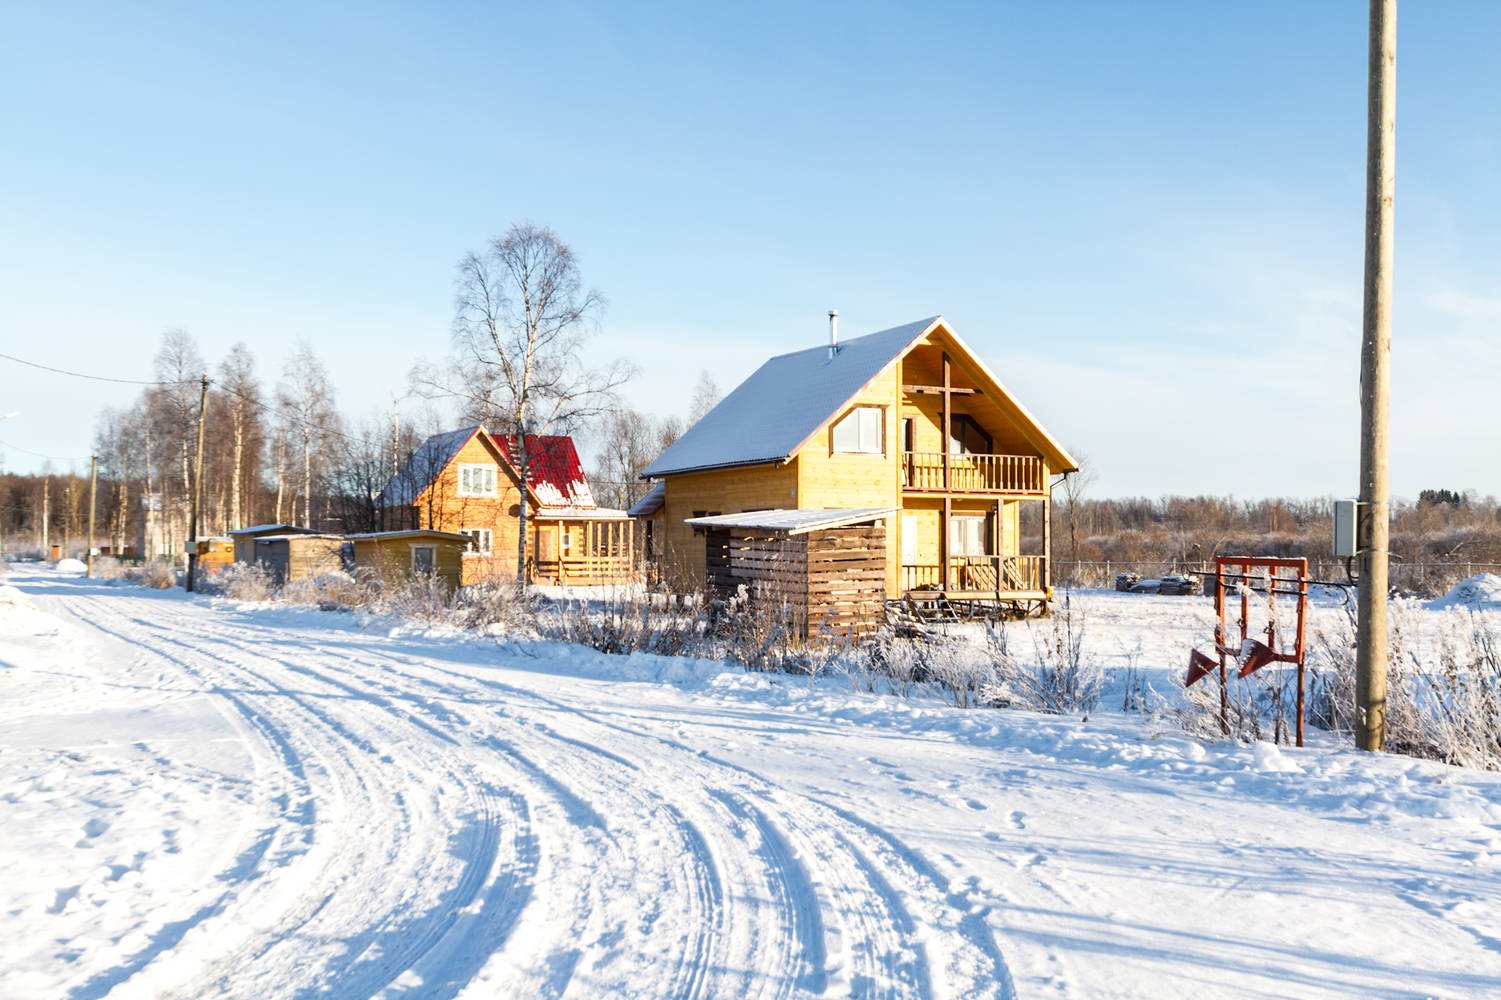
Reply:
x=1128 y=209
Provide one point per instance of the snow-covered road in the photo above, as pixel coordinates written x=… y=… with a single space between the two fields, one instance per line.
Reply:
x=198 y=799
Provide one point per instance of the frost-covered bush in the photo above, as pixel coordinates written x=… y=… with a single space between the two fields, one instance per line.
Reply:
x=422 y=598
x=632 y=621
x=158 y=574
x=1057 y=677
x=109 y=568
x=1443 y=683
x=495 y=605
x=243 y=582
x=335 y=591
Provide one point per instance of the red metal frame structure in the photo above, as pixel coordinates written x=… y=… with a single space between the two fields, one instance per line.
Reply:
x=1254 y=655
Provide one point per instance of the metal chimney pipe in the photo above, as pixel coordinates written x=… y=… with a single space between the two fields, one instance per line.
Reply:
x=833 y=333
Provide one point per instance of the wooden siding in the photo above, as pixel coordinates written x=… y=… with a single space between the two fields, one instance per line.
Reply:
x=390 y=559
x=719 y=491
x=288 y=560
x=830 y=583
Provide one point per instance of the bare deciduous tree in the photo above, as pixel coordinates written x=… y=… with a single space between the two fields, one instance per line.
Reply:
x=522 y=318
x=306 y=397
x=706 y=396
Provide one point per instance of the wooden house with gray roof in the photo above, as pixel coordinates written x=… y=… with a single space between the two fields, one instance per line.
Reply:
x=908 y=420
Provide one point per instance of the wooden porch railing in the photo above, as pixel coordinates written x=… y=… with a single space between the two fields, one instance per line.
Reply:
x=979 y=574
x=968 y=473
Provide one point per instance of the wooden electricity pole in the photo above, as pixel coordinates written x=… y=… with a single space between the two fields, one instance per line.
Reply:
x=93 y=494
x=1375 y=378
x=197 y=490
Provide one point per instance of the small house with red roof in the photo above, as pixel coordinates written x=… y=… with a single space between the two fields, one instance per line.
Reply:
x=466 y=481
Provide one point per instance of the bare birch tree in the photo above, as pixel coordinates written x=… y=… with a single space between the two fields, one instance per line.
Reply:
x=242 y=402
x=522 y=318
x=306 y=399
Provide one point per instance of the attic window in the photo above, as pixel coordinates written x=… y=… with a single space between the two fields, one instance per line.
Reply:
x=859 y=432
x=476 y=480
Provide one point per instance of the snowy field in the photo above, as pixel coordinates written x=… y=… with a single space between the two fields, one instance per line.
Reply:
x=204 y=799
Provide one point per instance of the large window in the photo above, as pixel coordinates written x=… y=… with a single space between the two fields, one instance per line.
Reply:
x=479 y=540
x=476 y=480
x=859 y=432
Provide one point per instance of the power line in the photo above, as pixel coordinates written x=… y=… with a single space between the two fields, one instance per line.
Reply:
x=92 y=378
x=37 y=454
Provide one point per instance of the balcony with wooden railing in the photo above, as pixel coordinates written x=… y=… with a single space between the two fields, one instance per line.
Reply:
x=924 y=472
x=978 y=576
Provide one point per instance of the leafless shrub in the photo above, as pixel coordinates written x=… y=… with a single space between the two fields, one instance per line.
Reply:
x=157 y=575
x=1443 y=687
x=243 y=582
x=333 y=591
x=1058 y=678
x=496 y=604
x=632 y=621
x=109 y=568
x=421 y=598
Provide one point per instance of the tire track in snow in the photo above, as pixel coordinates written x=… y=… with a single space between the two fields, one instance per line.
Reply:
x=734 y=886
x=867 y=901
x=269 y=719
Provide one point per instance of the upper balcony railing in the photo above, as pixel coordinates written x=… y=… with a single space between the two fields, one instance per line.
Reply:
x=924 y=470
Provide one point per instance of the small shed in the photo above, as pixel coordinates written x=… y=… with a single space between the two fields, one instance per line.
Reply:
x=397 y=556
x=827 y=566
x=301 y=556
x=214 y=552
x=244 y=538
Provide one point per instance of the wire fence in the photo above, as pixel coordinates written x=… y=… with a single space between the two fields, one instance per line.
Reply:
x=1424 y=579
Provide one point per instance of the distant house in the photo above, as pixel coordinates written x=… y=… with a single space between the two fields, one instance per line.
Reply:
x=466 y=481
x=908 y=421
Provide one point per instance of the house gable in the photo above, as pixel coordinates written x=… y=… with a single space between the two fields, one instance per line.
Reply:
x=790 y=402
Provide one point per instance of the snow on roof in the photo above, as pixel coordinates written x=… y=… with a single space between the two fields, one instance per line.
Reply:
x=794 y=522
x=285 y=529
x=410 y=533
x=651 y=503
x=430 y=458
x=553 y=469
x=296 y=536
x=771 y=413
x=580 y=514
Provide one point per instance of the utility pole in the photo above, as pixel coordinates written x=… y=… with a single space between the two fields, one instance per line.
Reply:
x=93 y=494
x=1375 y=380
x=197 y=489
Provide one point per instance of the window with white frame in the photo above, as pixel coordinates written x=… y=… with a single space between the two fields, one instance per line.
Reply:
x=967 y=535
x=476 y=480
x=859 y=432
x=479 y=540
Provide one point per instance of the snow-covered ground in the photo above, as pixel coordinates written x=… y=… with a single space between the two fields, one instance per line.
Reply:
x=199 y=798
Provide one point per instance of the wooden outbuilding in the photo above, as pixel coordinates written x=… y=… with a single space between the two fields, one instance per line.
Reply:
x=301 y=556
x=214 y=553
x=396 y=557
x=244 y=538
x=825 y=568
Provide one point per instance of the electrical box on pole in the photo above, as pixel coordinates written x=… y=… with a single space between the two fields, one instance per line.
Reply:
x=1344 y=529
